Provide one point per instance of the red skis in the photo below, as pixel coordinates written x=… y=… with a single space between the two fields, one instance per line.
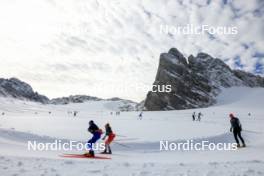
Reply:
x=83 y=156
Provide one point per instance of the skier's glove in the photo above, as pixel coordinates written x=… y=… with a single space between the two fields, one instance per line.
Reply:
x=231 y=130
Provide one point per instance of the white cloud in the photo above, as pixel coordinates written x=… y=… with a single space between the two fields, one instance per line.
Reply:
x=71 y=46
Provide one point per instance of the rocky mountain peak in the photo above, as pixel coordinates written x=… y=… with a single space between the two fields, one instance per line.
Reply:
x=195 y=83
x=177 y=55
x=16 y=88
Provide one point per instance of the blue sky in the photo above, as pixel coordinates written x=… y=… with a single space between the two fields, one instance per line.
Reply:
x=111 y=48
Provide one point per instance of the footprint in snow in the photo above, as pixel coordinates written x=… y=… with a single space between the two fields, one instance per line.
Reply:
x=145 y=165
x=126 y=164
x=144 y=173
x=94 y=171
x=22 y=170
x=19 y=163
x=68 y=162
x=53 y=170
x=249 y=171
x=181 y=164
x=260 y=173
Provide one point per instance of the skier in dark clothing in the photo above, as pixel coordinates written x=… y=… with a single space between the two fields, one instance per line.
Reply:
x=199 y=116
x=193 y=116
x=109 y=140
x=140 y=116
x=236 y=127
x=75 y=113
x=93 y=128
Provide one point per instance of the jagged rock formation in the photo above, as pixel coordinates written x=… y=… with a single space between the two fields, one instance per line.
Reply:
x=18 y=89
x=74 y=99
x=122 y=104
x=125 y=105
x=140 y=106
x=195 y=82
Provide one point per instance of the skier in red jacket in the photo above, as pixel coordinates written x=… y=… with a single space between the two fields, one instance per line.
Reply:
x=109 y=140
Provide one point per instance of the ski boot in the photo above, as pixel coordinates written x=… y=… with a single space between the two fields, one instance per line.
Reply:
x=243 y=145
x=238 y=145
x=104 y=152
x=89 y=154
x=109 y=151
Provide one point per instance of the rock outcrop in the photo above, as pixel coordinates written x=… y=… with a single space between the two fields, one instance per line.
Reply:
x=73 y=99
x=195 y=82
x=15 y=88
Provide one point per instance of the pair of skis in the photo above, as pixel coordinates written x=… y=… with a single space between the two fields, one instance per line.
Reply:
x=92 y=157
x=83 y=156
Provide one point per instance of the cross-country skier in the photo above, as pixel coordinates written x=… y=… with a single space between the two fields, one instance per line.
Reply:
x=193 y=116
x=236 y=127
x=111 y=136
x=93 y=128
x=75 y=113
x=199 y=116
x=140 y=116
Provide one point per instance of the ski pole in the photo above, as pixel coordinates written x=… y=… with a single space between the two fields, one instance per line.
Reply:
x=123 y=145
x=121 y=135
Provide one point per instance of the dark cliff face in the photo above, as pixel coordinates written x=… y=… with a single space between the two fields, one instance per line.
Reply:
x=74 y=99
x=18 y=89
x=196 y=82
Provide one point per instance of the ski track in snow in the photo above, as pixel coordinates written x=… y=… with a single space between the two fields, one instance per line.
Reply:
x=142 y=155
x=68 y=167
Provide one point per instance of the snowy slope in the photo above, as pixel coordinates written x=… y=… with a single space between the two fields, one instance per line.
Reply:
x=141 y=156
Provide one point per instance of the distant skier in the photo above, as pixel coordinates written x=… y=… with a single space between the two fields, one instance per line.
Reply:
x=140 y=116
x=199 y=116
x=109 y=140
x=75 y=113
x=236 y=127
x=93 y=128
x=193 y=116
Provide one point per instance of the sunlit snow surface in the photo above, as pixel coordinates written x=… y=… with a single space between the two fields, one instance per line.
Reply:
x=25 y=121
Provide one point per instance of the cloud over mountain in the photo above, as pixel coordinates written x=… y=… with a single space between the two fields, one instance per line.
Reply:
x=89 y=47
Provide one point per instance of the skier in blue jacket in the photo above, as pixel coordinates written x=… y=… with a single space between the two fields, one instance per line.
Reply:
x=93 y=128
